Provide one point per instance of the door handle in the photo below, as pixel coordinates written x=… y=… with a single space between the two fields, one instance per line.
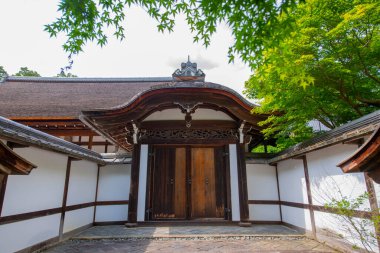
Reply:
x=171 y=181
x=206 y=181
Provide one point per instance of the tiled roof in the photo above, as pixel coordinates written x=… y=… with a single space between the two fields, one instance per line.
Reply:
x=354 y=129
x=67 y=97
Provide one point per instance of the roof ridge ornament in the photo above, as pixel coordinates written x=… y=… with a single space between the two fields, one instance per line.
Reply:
x=189 y=72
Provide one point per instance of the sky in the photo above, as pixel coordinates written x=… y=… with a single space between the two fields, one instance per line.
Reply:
x=144 y=53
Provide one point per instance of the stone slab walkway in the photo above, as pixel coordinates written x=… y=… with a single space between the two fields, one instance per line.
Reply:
x=258 y=238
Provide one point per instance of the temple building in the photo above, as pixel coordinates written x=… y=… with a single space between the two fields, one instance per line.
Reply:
x=78 y=152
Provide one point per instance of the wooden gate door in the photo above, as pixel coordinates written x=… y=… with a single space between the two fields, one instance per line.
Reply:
x=168 y=184
x=203 y=195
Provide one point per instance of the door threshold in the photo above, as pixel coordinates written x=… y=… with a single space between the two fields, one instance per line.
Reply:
x=196 y=222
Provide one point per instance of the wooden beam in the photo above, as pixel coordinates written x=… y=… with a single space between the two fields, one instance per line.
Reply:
x=373 y=203
x=90 y=138
x=3 y=186
x=96 y=192
x=278 y=192
x=64 y=198
x=134 y=185
x=309 y=196
x=243 y=187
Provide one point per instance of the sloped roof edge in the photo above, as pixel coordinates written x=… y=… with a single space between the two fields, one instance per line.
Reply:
x=356 y=128
x=19 y=133
x=86 y=79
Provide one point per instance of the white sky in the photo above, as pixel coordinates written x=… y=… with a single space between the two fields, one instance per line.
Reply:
x=144 y=53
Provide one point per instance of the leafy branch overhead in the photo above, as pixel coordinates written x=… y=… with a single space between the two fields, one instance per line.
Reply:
x=253 y=23
x=326 y=69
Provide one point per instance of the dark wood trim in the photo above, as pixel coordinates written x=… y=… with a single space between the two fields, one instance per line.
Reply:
x=79 y=206
x=46 y=212
x=109 y=223
x=90 y=143
x=96 y=192
x=278 y=191
x=94 y=143
x=242 y=179
x=3 y=187
x=263 y=202
x=64 y=198
x=373 y=203
x=13 y=145
x=357 y=213
x=112 y=202
x=309 y=196
x=29 y=215
x=266 y=222
x=195 y=124
x=134 y=184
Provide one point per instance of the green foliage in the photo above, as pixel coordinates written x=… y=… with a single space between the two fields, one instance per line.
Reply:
x=357 y=228
x=24 y=71
x=253 y=22
x=3 y=72
x=326 y=69
x=64 y=74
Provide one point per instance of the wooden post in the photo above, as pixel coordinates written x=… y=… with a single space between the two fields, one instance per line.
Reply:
x=309 y=197
x=90 y=138
x=96 y=193
x=3 y=186
x=134 y=186
x=243 y=189
x=64 y=198
x=373 y=203
x=278 y=193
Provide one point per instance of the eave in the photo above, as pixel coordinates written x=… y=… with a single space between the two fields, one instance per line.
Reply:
x=13 y=164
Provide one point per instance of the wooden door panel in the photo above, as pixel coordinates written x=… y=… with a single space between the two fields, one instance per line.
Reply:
x=180 y=196
x=203 y=183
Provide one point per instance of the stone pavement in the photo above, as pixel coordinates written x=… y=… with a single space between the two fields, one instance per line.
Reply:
x=258 y=238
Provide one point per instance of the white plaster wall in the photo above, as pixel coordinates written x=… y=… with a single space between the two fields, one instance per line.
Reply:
x=262 y=182
x=111 y=213
x=99 y=148
x=142 y=183
x=291 y=177
x=19 y=235
x=176 y=114
x=42 y=188
x=335 y=227
x=78 y=218
x=296 y=216
x=327 y=180
x=234 y=183
x=264 y=212
x=114 y=182
x=82 y=183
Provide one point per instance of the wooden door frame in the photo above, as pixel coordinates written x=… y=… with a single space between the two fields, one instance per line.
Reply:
x=188 y=147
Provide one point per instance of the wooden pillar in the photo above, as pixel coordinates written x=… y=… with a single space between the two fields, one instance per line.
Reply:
x=134 y=186
x=373 y=204
x=278 y=193
x=64 y=198
x=309 y=196
x=90 y=138
x=3 y=186
x=243 y=188
x=96 y=193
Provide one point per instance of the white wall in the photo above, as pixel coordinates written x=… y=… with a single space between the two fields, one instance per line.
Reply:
x=114 y=184
x=19 y=235
x=42 y=188
x=234 y=183
x=262 y=185
x=176 y=114
x=82 y=183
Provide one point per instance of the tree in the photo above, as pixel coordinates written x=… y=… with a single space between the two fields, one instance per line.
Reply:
x=326 y=69
x=252 y=22
x=24 y=71
x=64 y=74
x=3 y=73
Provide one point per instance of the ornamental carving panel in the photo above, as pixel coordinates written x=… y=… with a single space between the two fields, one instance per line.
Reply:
x=188 y=134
